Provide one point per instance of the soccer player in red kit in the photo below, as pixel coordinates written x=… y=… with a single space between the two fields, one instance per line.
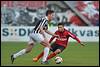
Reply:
x=60 y=44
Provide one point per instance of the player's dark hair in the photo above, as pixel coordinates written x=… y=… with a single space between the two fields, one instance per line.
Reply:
x=60 y=24
x=49 y=12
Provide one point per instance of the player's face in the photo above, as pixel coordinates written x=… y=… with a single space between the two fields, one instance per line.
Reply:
x=51 y=16
x=61 y=28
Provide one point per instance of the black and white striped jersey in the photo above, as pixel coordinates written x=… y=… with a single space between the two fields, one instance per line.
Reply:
x=43 y=22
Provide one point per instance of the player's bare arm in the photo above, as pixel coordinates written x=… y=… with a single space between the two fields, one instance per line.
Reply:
x=74 y=37
x=42 y=32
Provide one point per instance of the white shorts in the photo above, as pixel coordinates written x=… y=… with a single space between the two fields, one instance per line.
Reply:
x=36 y=37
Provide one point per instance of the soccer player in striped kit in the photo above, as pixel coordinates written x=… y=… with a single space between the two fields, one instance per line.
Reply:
x=38 y=36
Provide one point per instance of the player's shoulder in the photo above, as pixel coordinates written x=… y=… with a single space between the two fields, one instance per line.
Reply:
x=67 y=31
x=56 y=31
x=44 y=18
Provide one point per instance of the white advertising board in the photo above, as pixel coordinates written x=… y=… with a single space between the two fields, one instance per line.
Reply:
x=85 y=34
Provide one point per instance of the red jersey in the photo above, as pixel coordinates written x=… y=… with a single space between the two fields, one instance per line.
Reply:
x=63 y=37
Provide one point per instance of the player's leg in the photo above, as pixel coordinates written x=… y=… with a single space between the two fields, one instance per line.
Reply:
x=52 y=48
x=38 y=57
x=46 y=50
x=58 y=50
x=53 y=54
x=23 y=51
x=40 y=39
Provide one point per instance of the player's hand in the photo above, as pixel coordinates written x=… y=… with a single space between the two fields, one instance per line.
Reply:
x=56 y=36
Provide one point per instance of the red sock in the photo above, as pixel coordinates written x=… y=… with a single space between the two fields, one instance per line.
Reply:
x=40 y=55
x=51 y=55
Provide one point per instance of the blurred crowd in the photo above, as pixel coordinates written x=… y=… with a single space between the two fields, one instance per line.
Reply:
x=15 y=16
x=89 y=9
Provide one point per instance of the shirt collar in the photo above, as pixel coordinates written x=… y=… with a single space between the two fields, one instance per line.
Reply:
x=46 y=17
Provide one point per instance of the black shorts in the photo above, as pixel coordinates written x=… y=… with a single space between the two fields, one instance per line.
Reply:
x=54 y=47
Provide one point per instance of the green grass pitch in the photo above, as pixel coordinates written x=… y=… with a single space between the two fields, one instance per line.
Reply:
x=74 y=55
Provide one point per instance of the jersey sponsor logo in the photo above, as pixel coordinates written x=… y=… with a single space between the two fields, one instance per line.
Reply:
x=62 y=39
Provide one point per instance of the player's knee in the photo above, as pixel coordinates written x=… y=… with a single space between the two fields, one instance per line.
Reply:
x=45 y=43
x=58 y=51
x=28 y=50
x=48 y=45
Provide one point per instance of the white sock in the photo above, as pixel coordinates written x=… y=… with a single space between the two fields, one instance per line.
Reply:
x=46 y=52
x=23 y=51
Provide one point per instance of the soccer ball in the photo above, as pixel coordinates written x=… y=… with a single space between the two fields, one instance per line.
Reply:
x=58 y=60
